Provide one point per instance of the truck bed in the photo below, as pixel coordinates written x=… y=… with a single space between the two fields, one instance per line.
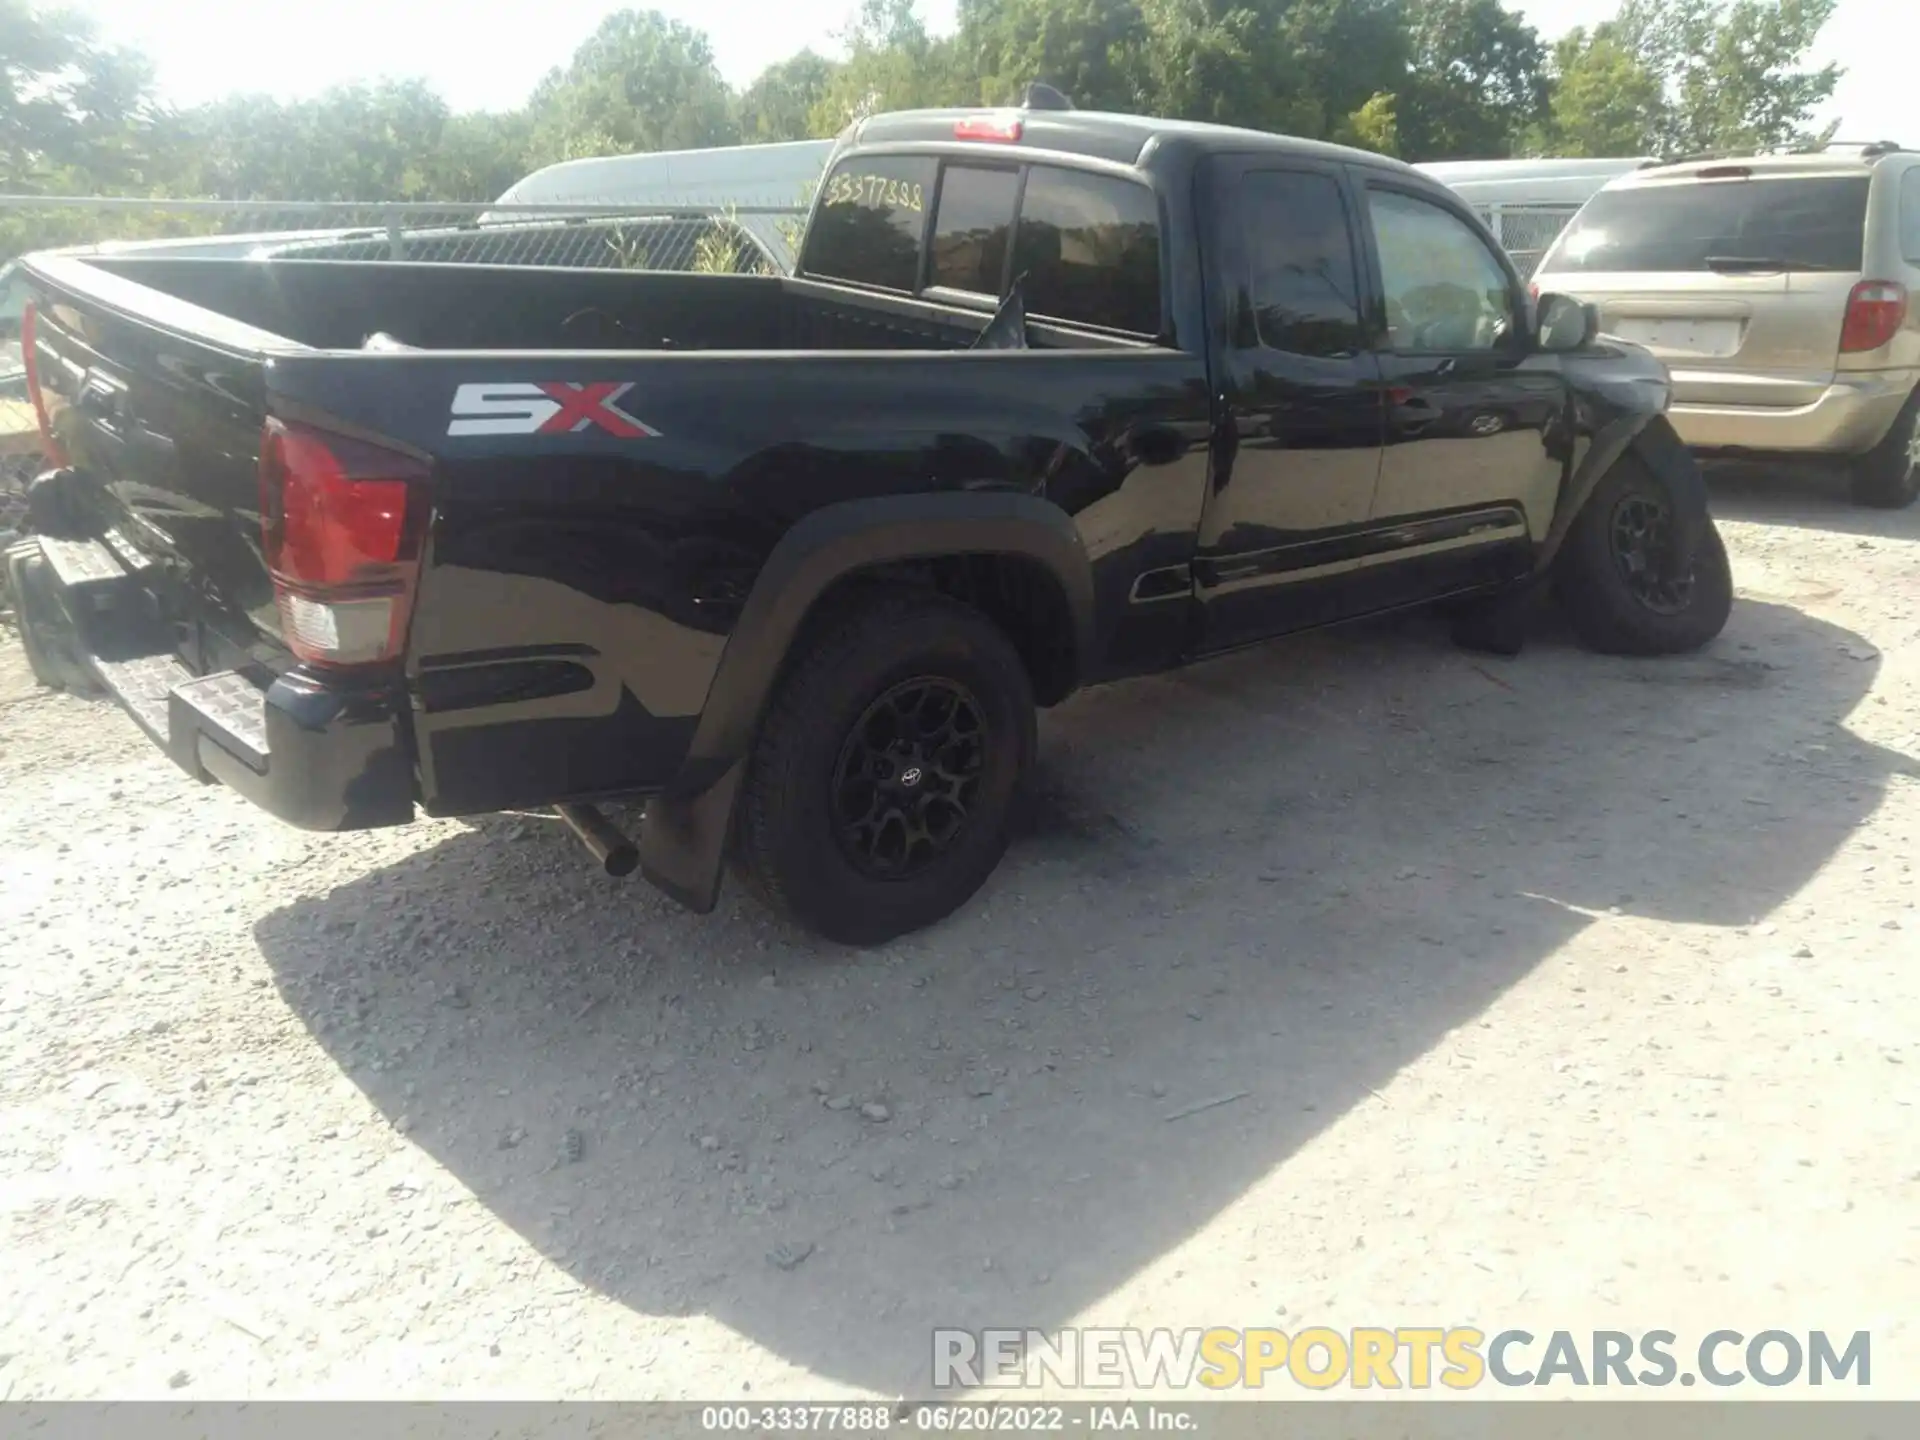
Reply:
x=339 y=305
x=580 y=573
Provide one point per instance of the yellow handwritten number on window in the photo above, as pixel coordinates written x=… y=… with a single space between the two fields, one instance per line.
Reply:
x=876 y=191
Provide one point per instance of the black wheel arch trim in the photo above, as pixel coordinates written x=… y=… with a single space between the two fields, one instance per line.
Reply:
x=1610 y=442
x=684 y=836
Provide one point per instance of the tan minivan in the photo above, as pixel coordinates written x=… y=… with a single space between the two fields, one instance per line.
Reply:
x=1781 y=291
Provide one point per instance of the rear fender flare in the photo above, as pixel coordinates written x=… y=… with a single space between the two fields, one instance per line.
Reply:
x=684 y=836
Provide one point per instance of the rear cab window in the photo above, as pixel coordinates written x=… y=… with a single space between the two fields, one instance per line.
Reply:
x=1798 y=222
x=972 y=224
x=1083 y=246
x=1088 y=249
x=1303 y=288
x=868 y=224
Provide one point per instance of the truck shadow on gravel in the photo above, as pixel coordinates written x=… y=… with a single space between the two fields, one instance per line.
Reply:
x=1271 y=881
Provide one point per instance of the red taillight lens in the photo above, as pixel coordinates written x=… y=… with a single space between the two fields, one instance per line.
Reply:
x=340 y=522
x=1875 y=312
x=1005 y=128
x=29 y=337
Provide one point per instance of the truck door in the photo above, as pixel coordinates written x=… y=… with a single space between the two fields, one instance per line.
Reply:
x=1297 y=451
x=1466 y=483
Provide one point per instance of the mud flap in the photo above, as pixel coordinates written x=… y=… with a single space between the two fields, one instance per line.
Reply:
x=683 y=840
x=1499 y=624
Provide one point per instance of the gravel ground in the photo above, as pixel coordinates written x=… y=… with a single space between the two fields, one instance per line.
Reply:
x=1564 y=992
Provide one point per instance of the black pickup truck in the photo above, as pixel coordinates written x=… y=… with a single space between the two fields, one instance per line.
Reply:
x=1054 y=398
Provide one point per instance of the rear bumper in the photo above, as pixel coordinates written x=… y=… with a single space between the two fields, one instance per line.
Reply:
x=309 y=750
x=1849 y=418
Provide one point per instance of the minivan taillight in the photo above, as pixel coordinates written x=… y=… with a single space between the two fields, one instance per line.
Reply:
x=341 y=522
x=1875 y=312
x=29 y=347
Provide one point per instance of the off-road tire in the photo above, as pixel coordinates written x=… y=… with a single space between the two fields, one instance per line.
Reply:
x=1887 y=477
x=786 y=843
x=1601 y=603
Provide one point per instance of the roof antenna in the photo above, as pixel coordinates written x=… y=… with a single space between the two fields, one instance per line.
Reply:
x=1042 y=96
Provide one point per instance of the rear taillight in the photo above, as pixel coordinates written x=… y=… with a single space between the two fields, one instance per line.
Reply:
x=29 y=337
x=1875 y=312
x=341 y=523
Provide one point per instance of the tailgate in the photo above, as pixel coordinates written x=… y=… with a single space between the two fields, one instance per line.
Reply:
x=158 y=405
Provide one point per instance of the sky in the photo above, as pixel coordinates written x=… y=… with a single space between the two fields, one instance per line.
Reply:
x=488 y=54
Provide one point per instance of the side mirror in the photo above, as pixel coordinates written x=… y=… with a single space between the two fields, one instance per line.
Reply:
x=1564 y=323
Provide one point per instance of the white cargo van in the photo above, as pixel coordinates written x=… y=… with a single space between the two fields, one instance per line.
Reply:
x=736 y=178
x=1527 y=203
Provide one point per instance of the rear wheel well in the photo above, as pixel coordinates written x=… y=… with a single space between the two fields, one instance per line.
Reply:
x=1019 y=594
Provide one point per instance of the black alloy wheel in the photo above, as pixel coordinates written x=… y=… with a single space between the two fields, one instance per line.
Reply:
x=1641 y=537
x=907 y=775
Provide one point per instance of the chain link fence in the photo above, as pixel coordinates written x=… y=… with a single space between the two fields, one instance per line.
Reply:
x=723 y=238
x=1526 y=232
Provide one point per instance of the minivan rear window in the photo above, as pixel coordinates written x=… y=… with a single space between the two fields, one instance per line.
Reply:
x=1802 y=222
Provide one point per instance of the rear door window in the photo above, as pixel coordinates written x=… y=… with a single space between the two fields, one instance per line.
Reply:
x=1797 y=222
x=970 y=228
x=868 y=224
x=1088 y=248
x=1301 y=278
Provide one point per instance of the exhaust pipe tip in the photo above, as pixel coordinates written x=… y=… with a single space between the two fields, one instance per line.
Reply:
x=605 y=841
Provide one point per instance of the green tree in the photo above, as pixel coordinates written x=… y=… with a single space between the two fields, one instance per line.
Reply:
x=892 y=64
x=639 y=82
x=356 y=142
x=1092 y=50
x=779 y=104
x=1374 y=126
x=1478 y=78
x=1225 y=63
x=1606 y=100
x=479 y=156
x=1353 y=55
x=72 y=110
x=1732 y=74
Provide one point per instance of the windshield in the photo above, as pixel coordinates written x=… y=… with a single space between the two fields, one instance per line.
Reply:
x=1796 y=222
